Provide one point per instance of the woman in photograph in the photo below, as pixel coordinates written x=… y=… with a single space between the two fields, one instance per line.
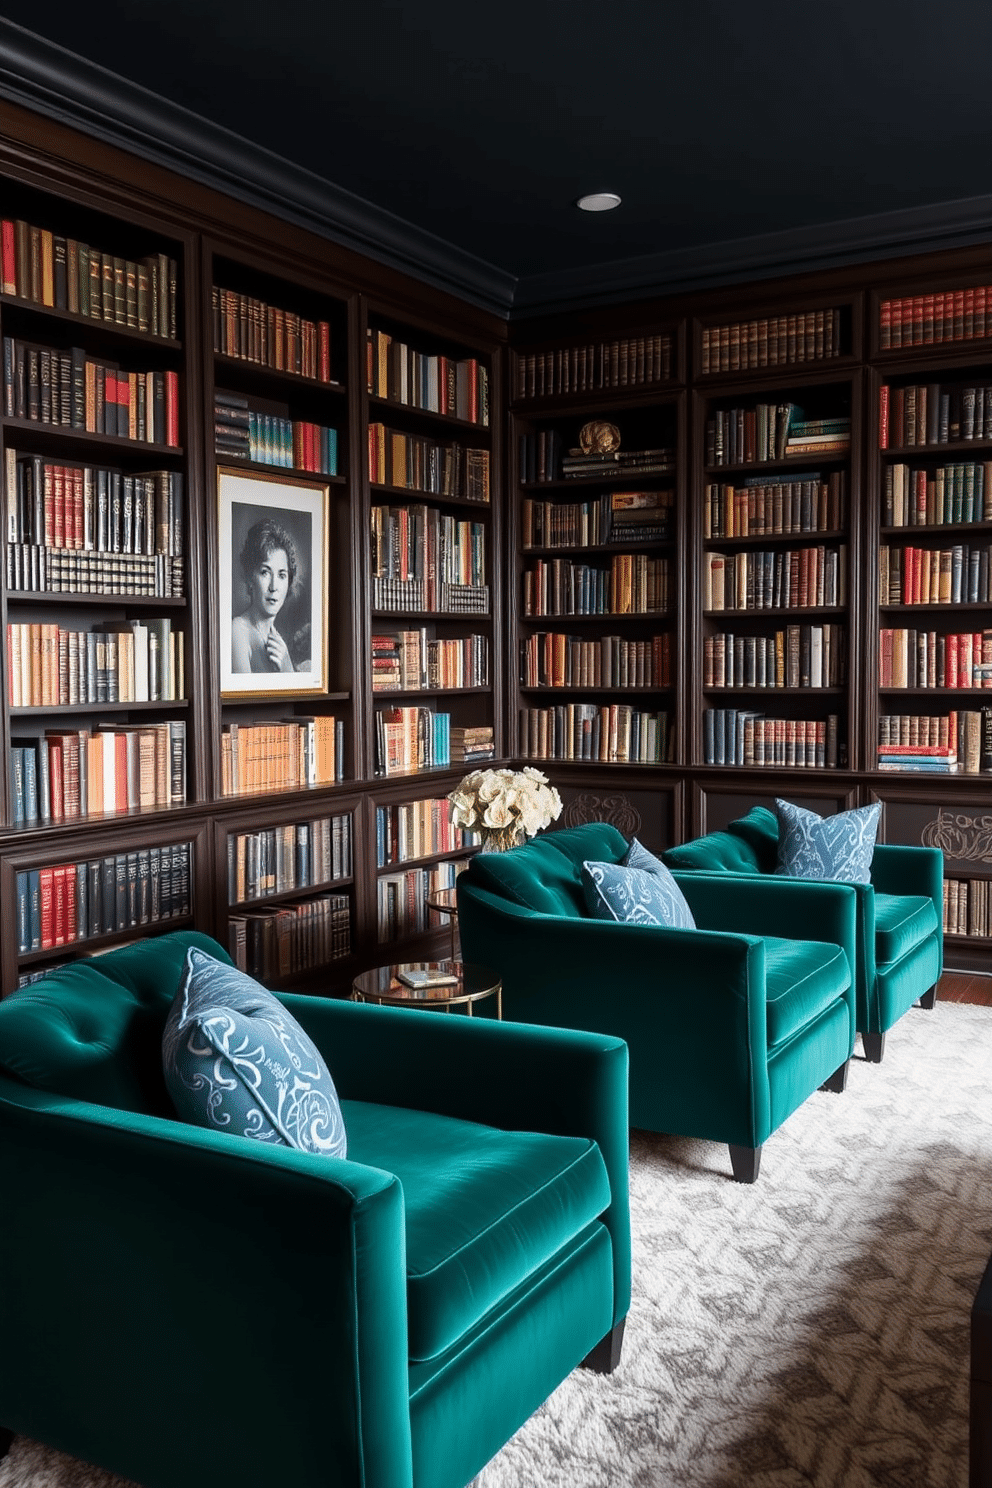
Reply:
x=269 y=565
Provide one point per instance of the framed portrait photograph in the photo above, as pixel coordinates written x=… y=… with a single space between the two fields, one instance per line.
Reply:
x=273 y=567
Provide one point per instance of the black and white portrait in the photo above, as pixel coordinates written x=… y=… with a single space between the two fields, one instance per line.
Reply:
x=273 y=565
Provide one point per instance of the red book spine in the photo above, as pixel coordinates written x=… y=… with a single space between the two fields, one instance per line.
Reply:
x=71 y=916
x=298 y=445
x=883 y=416
x=58 y=487
x=172 y=409
x=46 y=902
x=59 y=908
x=8 y=257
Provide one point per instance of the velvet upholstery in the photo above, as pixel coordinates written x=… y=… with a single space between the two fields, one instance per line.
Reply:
x=187 y=1238
x=694 y=1006
x=899 y=916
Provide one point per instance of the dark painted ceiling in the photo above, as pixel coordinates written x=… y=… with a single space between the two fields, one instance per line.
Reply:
x=481 y=124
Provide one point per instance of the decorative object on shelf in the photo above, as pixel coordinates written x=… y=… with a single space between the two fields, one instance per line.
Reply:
x=506 y=806
x=273 y=564
x=598 y=437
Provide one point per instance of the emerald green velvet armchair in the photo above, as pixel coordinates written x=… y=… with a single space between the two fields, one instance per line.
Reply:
x=186 y=1306
x=899 y=916
x=730 y=1026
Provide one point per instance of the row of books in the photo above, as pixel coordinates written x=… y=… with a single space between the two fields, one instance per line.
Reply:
x=945 y=576
x=798 y=656
x=737 y=736
x=552 y=659
x=631 y=361
x=71 y=390
x=802 y=578
x=87 y=507
x=243 y=433
x=419 y=542
x=613 y=733
x=50 y=269
x=928 y=658
x=71 y=902
x=960 y=742
x=49 y=666
x=411 y=738
x=402 y=899
x=416 y=661
x=109 y=771
x=771 y=341
x=294 y=754
x=928 y=413
x=415 y=463
x=634 y=584
x=408 y=596
x=935 y=498
x=252 y=330
x=295 y=855
x=453 y=386
x=766 y=508
x=967 y=907
x=922 y=320
x=417 y=829
x=35 y=569
x=772 y=431
x=617 y=516
x=277 y=942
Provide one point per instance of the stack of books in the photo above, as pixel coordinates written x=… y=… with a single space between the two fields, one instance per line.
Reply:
x=826 y=436
x=231 y=429
x=640 y=516
x=617 y=462
x=469 y=745
x=929 y=759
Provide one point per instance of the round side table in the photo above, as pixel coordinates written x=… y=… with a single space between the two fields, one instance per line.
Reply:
x=468 y=985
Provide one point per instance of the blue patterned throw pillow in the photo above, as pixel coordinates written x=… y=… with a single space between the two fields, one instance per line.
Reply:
x=826 y=847
x=635 y=895
x=236 y=1060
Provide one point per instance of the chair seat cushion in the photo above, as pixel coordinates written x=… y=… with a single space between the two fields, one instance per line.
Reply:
x=902 y=922
x=485 y=1209
x=803 y=979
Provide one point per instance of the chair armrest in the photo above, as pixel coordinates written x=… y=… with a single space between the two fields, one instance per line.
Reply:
x=515 y=1076
x=764 y=905
x=168 y=1266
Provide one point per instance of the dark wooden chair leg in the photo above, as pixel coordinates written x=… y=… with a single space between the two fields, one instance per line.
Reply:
x=929 y=998
x=838 y=1080
x=6 y=1437
x=874 y=1047
x=605 y=1357
x=745 y=1162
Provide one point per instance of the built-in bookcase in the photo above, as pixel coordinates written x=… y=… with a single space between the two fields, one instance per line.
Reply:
x=774 y=503
x=598 y=534
x=276 y=383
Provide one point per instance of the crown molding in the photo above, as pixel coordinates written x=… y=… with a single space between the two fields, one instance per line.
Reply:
x=47 y=78
x=830 y=245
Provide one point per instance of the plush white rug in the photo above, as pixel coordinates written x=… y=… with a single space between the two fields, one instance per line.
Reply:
x=810 y=1331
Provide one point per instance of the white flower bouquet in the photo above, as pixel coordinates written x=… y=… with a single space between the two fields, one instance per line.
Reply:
x=505 y=806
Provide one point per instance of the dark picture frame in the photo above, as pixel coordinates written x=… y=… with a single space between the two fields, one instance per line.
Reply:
x=273 y=566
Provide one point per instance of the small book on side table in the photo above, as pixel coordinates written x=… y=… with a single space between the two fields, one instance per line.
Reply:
x=416 y=978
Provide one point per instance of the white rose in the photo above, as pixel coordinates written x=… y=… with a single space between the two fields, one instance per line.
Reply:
x=497 y=815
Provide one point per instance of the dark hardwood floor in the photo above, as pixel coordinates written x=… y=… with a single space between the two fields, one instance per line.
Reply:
x=962 y=986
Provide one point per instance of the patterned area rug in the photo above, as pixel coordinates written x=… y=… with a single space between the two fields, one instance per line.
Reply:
x=809 y=1330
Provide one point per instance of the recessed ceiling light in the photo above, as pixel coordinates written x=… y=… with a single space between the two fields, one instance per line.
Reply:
x=599 y=201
